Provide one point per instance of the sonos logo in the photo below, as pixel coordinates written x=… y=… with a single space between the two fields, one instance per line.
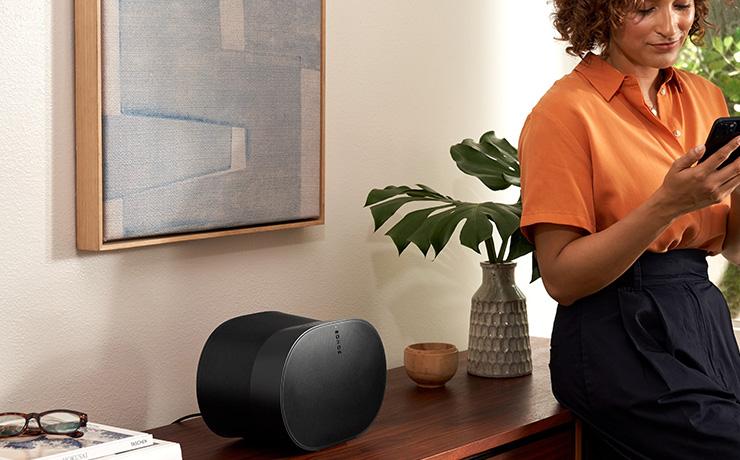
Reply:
x=339 y=341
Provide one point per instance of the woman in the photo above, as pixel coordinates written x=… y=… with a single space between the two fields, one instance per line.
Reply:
x=622 y=219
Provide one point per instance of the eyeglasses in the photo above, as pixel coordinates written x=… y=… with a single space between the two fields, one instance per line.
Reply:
x=57 y=421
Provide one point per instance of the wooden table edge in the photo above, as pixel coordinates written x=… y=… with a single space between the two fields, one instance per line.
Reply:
x=502 y=439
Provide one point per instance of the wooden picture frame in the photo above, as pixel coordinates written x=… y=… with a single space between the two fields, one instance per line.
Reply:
x=95 y=173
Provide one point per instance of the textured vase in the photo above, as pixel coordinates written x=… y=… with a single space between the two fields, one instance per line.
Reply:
x=499 y=331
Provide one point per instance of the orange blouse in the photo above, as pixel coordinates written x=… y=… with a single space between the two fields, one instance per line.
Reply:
x=591 y=151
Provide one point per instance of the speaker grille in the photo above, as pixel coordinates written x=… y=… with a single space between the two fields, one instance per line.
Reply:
x=333 y=383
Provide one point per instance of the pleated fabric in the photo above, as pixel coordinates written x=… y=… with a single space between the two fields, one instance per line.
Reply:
x=651 y=364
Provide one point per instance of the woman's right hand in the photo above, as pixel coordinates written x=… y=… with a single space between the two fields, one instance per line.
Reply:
x=686 y=188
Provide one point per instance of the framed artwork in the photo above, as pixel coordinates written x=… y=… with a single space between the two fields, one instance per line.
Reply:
x=197 y=119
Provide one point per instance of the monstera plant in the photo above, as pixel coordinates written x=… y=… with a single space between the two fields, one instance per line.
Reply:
x=494 y=162
x=498 y=343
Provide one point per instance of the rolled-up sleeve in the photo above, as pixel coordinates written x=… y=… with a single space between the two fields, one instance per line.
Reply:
x=556 y=176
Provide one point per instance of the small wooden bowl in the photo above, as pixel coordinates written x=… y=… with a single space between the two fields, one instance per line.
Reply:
x=430 y=364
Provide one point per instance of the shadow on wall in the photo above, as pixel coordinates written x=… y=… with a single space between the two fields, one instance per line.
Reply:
x=446 y=299
x=61 y=209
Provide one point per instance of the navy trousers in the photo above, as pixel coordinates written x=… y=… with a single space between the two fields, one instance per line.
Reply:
x=650 y=363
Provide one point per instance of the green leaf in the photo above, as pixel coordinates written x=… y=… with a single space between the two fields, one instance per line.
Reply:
x=493 y=161
x=430 y=190
x=491 y=152
x=446 y=227
x=383 y=211
x=717 y=44
x=378 y=195
x=477 y=228
x=535 y=268
x=494 y=152
x=716 y=66
x=422 y=238
x=515 y=208
x=731 y=88
x=501 y=144
x=420 y=194
x=472 y=161
x=507 y=222
x=402 y=231
x=728 y=42
x=518 y=246
x=513 y=180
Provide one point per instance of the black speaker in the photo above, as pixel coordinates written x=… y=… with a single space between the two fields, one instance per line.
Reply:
x=288 y=379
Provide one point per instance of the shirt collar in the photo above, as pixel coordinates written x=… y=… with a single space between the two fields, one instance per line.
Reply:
x=607 y=80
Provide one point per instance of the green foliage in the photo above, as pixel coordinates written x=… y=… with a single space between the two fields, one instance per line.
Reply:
x=719 y=62
x=730 y=286
x=495 y=163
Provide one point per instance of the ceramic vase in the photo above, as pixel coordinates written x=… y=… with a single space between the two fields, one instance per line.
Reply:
x=499 y=331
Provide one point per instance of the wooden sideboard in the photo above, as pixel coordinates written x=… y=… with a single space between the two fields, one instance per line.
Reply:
x=471 y=417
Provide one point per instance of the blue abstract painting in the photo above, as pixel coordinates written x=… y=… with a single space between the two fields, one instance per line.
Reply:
x=211 y=114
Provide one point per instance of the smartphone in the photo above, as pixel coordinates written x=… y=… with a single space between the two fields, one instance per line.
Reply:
x=723 y=131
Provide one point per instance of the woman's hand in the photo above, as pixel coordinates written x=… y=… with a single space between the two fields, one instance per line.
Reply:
x=686 y=188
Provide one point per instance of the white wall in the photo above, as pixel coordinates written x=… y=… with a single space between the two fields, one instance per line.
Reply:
x=119 y=334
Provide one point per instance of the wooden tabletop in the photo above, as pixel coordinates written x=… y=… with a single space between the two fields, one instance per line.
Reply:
x=469 y=415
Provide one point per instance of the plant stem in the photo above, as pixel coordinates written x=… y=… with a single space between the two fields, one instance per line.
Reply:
x=490 y=250
x=504 y=243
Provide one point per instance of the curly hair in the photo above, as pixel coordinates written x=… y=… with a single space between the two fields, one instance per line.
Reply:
x=587 y=24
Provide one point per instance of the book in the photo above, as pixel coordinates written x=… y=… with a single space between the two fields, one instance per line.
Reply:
x=97 y=441
x=160 y=450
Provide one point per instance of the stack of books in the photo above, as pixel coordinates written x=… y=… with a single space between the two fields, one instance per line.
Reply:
x=97 y=442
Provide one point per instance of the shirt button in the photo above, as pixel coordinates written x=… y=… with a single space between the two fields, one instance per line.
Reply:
x=677 y=133
x=662 y=91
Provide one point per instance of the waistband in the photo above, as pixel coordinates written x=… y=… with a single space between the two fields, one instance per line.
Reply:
x=661 y=268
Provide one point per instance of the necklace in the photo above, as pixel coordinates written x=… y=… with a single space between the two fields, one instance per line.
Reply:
x=648 y=102
x=650 y=106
